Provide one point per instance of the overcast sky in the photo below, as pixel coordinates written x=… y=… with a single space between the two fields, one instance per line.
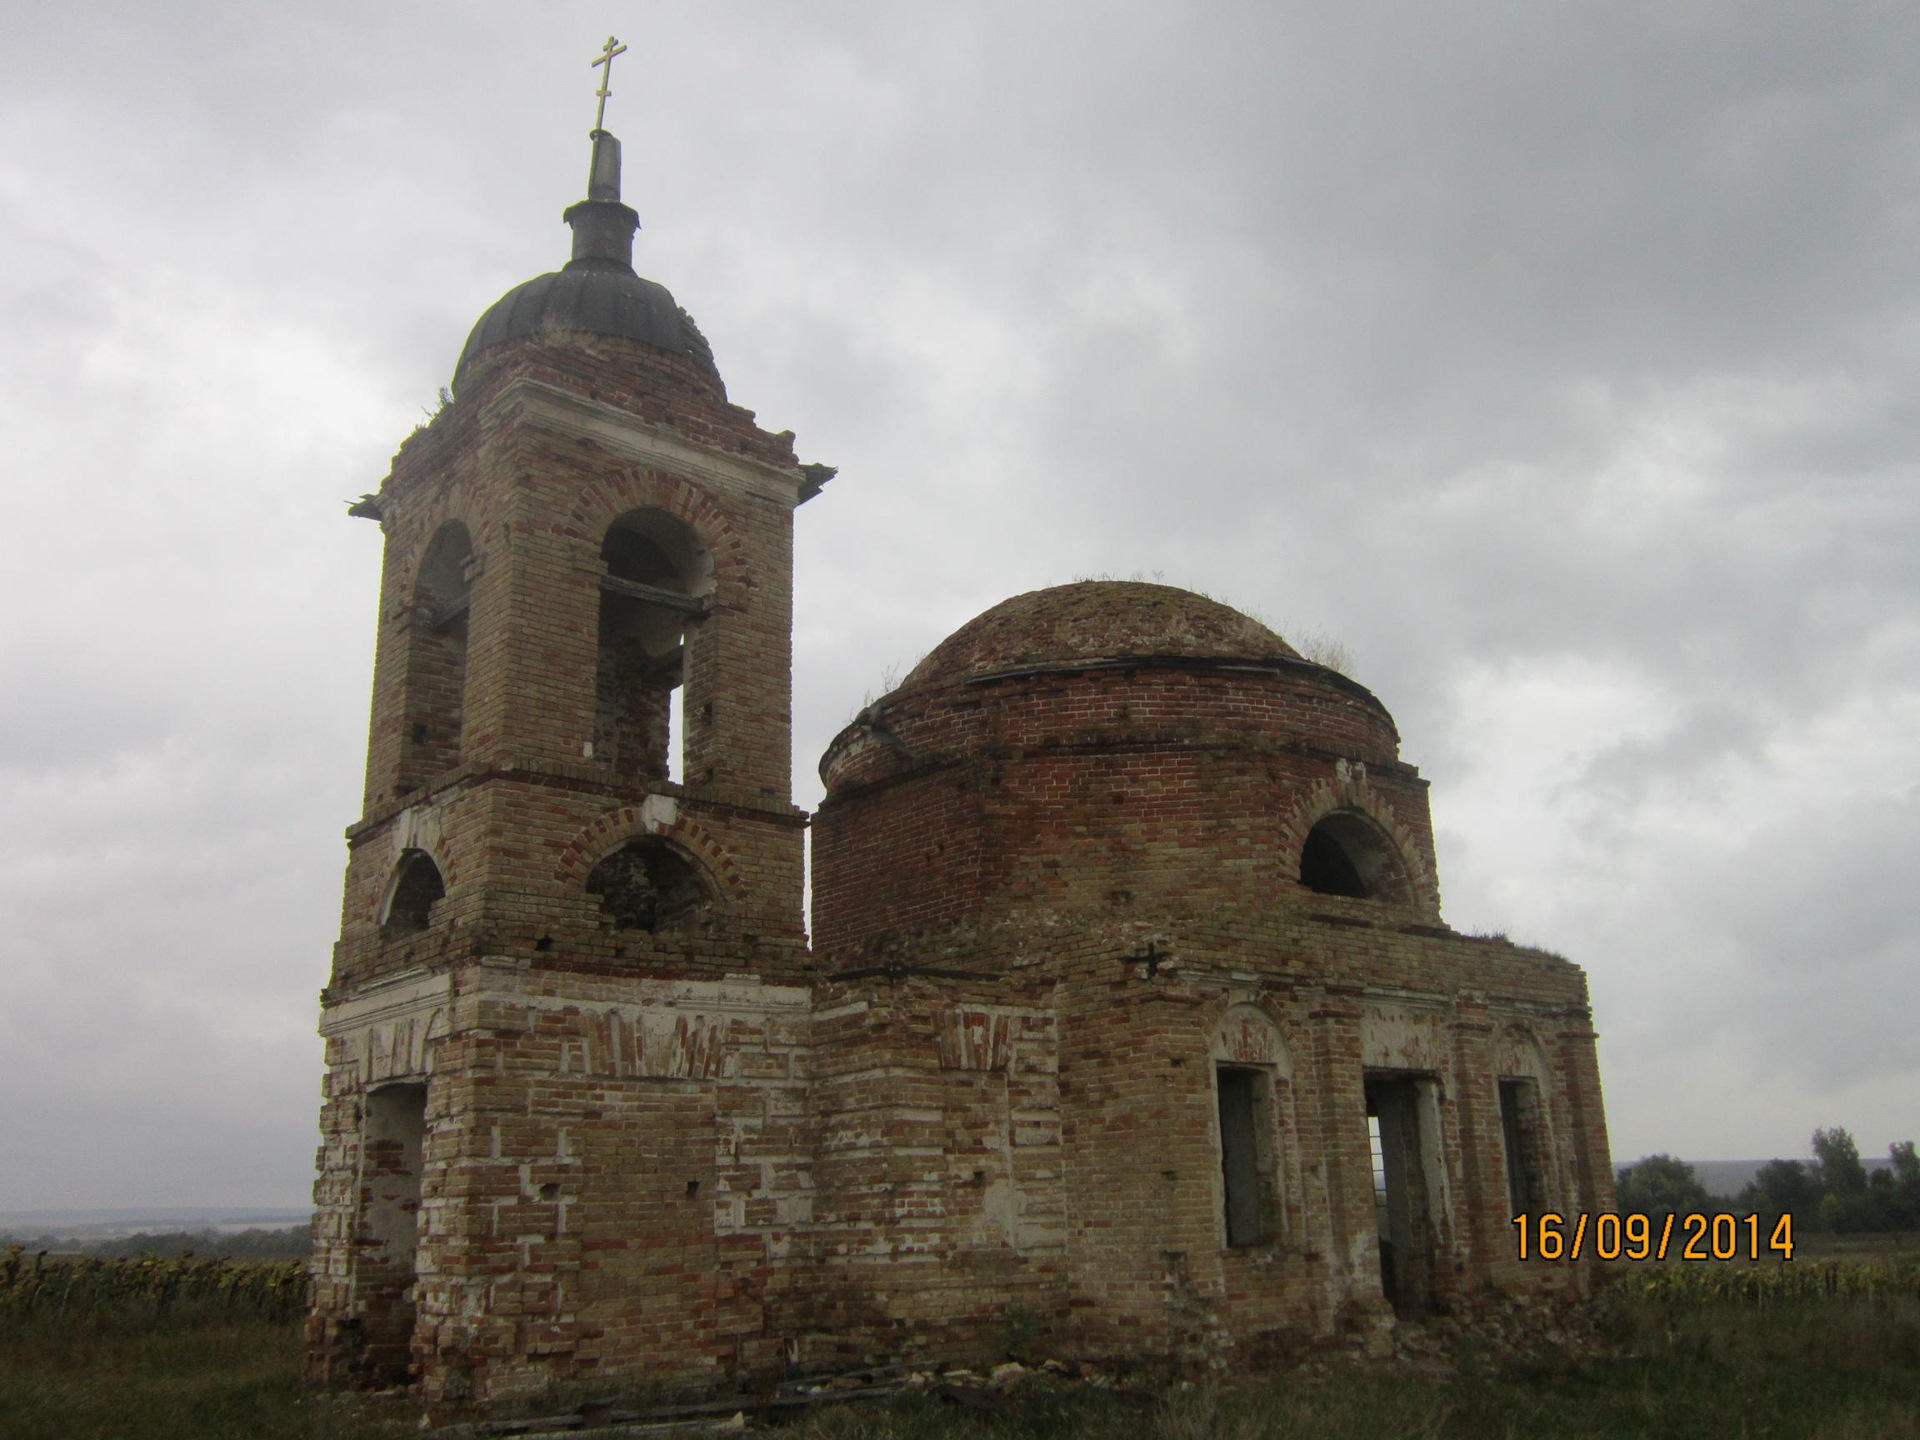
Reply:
x=1562 y=360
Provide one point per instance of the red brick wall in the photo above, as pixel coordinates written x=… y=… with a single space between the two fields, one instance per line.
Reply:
x=1098 y=790
x=1140 y=1266
x=940 y=1202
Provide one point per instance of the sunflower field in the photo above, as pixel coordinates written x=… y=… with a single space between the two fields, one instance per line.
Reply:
x=1684 y=1286
x=41 y=1285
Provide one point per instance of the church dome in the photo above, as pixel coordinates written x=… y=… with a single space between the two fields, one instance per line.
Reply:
x=1092 y=621
x=600 y=299
x=597 y=291
x=1102 y=746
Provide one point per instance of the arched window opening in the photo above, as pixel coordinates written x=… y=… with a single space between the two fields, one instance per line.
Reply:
x=417 y=888
x=437 y=657
x=657 y=577
x=1348 y=854
x=648 y=885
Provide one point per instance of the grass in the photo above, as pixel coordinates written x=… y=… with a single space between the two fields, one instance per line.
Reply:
x=1827 y=1370
x=206 y=1372
x=1709 y=1376
x=1830 y=1372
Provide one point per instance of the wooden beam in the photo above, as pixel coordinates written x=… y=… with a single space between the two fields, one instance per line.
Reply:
x=654 y=595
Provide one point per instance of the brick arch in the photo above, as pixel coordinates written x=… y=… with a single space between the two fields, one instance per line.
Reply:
x=424 y=552
x=1348 y=790
x=418 y=827
x=425 y=524
x=434 y=674
x=634 y=822
x=397 y=864
x=1244 y=1032
x=1518 y=1051
x=606 y=498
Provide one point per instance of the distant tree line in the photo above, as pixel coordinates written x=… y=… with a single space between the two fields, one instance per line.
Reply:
x=1834 y=1192
x=293 y=1243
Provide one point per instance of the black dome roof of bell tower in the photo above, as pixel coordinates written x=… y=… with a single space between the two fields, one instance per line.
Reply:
x=596 y=297
x=597 y=292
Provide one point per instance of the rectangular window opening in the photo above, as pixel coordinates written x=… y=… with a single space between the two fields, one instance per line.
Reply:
x=1379 y=1151
x=1520 y=1130
x=1401 y=1108
x=676 y=734
x=1247 y=1161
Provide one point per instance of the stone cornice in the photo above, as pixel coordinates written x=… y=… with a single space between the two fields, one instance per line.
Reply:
x=412 y=992
x=619 y=432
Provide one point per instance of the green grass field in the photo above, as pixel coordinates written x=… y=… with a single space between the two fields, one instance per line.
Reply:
x=1681 y=1366
x=202 y=1372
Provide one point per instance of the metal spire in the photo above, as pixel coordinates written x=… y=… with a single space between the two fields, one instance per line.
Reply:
x=602 y=226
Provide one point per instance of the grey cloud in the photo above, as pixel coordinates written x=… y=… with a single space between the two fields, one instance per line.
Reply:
x=1489 y=341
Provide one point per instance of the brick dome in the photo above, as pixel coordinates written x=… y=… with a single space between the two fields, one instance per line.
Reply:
x=1100 y=740
x=1093 y=621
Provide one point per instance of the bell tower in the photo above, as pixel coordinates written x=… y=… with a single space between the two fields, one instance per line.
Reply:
x=575 y=886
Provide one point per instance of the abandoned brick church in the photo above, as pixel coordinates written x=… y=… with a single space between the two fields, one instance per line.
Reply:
x=1129 y=1018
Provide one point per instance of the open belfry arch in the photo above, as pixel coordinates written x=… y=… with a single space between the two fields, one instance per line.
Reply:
x=1129 y=1014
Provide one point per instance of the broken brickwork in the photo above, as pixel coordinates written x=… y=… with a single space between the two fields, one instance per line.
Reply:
x=1130 y=1022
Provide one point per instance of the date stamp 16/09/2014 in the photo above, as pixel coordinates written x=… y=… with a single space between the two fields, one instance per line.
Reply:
x=1550 y=1236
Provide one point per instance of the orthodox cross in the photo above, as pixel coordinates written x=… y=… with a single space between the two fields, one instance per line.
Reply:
x=613 y=48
